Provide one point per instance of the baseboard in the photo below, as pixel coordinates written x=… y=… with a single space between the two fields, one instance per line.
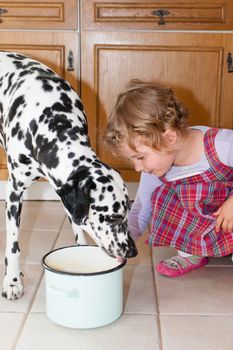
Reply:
x=44 y=191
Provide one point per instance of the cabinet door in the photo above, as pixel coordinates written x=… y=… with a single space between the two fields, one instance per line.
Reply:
x=50 y=48
x=193 y=64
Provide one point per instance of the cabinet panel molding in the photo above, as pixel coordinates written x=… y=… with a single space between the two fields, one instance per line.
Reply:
x=158 y=15
x=48 y=14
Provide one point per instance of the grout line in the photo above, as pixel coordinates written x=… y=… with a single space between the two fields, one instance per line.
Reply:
x=160 y=339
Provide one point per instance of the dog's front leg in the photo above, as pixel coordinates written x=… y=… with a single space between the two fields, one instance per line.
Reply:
x=80 y=238
x=13 y=284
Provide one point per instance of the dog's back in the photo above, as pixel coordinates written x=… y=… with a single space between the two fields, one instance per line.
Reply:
x=39 y=116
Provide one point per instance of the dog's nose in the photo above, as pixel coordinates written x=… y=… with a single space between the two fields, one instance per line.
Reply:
x=132 y=250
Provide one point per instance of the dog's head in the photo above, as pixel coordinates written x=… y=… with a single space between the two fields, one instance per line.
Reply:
x=97 y=200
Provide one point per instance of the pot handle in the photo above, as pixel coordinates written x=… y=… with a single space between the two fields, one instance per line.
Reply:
x=68 y=293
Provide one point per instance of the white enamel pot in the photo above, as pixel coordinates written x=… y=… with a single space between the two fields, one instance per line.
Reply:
x=84 y=287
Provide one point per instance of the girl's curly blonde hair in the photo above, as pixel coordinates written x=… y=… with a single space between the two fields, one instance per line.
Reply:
x=144 y=109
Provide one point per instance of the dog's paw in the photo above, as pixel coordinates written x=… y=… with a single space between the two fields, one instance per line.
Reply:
x=13 y=287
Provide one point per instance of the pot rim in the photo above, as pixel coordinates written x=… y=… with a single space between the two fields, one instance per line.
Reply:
x=51 y=269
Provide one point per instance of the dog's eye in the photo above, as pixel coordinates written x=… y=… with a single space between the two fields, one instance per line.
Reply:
x=114 y=219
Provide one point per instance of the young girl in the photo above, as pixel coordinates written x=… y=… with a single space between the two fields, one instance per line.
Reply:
x=186 y=185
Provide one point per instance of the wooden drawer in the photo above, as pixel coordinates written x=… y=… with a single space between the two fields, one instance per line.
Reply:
x=46 y=14
x=159 y=15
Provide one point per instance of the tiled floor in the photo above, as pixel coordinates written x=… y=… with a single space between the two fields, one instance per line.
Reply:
x=190 y=312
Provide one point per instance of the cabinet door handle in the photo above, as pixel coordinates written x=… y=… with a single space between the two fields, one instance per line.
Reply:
x=161 y=13
x=70 y=60
x=2 y=11
x=229 y=63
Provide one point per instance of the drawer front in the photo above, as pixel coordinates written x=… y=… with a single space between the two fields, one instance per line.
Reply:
x=159 y=15
x=46 y=14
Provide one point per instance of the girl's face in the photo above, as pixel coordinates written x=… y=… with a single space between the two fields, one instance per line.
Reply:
x=147 y=159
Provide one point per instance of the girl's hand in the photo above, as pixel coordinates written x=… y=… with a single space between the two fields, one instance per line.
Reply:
x=224 y=216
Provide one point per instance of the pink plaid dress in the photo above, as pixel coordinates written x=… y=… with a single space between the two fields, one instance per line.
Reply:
x=182 y=217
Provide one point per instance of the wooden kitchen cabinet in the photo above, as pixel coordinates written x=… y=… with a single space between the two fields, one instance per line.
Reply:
x=56 y=48
x=194 y=64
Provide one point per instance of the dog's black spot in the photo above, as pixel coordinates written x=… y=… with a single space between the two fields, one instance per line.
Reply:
x=9 y=83
x=76 y=132
x=110 y=188
x=46 y=151
x=101 y=197
x=116 y=206
x=24 y=159
x=103 y=179
x=20 y=135
x=59 y=124
x=12 y=211
x=15 y=130
x=15 y=247
x=15 y=105
x=96 y=164
x=75 y=163
x=28 y=141
x=46 y=86
x=65 y=104
x=99 y=172
x=71 y=155
x=100 y=208
x=84 y=143
x=79 y=105
x=14 y=197
x=33 y=127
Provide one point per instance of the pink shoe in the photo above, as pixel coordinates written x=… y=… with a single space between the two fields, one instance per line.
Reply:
x=178 y=265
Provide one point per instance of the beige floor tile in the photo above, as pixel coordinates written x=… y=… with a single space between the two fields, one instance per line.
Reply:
x=39 y=302
x=138 y=332
x=144 y=253
x=197 y=333
x=10 y=326
x=206 y=291
x=42 y=217
x=139 y=293
x=33 y=245
x=66 y=224
x=32 y=277
x=66 y=238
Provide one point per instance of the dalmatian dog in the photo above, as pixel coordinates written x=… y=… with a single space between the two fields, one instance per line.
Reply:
x=43 y=129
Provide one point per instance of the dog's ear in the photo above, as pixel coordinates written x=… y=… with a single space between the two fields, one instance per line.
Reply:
x=75 y=195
